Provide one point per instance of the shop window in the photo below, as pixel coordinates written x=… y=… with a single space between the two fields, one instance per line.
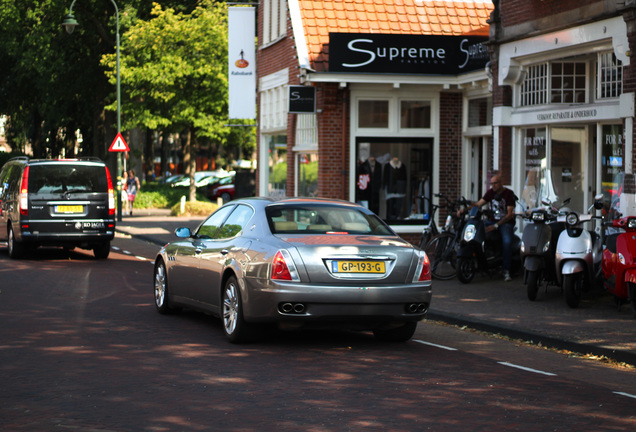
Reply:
x=612 y=171
x=393 y=178
x=373 y=114
x=415 y=114
x=535 y=86
x=307 y=164
x=479 y=112
x=609 y=82
x=536 y=187
x=567 y=82
x=277 y=169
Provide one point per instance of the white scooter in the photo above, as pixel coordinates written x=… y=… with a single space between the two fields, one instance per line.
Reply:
x=579 y=254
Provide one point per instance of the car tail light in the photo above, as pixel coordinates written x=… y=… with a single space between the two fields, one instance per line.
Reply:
x=24 y=193
x=423 y=269
x=283 y=267
x=111 y=194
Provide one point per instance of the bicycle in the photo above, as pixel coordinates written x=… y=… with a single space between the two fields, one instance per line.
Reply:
x=442 y=248
x=431 y=230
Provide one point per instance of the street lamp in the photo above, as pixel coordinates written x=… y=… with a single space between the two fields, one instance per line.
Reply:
x=69 y=25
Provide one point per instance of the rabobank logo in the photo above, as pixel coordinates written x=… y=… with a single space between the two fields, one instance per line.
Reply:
x=241 y=63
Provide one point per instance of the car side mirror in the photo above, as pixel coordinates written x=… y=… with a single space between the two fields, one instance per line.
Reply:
x=183 y=232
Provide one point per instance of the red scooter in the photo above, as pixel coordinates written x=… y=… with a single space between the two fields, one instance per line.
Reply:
x=619 y=261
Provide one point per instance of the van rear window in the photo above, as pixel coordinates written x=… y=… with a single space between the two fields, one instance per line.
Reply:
x=63 y=178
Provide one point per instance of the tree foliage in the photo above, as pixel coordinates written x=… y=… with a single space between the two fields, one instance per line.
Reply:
x=173 y=70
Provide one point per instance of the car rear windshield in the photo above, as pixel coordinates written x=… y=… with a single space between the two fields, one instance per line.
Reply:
x=323 y=219
x=67 y=178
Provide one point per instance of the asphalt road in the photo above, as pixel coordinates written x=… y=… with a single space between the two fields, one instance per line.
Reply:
x=82 y=348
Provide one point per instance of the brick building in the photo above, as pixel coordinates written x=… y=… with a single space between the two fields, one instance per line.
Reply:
x=563 y=95
x=402 y=83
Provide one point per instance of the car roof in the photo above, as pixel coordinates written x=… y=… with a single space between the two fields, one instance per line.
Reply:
x=265 y=201
x=29 y=161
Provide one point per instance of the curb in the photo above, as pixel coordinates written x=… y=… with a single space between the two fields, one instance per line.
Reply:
x=535 y=338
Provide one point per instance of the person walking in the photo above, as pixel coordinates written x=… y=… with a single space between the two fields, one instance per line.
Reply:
x=132 y=187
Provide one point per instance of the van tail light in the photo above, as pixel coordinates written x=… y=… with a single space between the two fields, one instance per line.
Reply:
x=283 y=267
x=111 y=194
x=24 y=193
x=423 y=269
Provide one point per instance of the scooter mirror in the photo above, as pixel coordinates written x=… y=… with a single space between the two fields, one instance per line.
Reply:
x=598 y=201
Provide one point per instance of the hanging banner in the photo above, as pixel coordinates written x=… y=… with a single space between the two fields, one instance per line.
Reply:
x=242 y=63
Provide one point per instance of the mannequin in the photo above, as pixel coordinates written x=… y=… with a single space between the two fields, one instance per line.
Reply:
x=395 y=187
x=368 y=185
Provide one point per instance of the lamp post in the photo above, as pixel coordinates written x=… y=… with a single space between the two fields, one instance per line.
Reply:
x=69 y=25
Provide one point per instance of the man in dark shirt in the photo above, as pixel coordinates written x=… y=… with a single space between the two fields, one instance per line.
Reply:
x=502 y=203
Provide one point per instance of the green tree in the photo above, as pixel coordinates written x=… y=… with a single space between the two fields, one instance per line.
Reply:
x=52 y=83
x=174 y=72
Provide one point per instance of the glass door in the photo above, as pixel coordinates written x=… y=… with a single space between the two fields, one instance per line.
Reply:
x=568 y=165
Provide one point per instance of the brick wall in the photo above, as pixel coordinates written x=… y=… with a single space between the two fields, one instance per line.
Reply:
x=629 y=72
x=333 y=138
x=515 y=12
x=450 y=139
x=270 y=59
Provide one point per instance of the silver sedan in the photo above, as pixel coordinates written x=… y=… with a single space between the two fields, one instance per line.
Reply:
x=297 y=262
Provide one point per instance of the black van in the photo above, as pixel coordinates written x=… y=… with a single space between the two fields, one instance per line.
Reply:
x=56 y=202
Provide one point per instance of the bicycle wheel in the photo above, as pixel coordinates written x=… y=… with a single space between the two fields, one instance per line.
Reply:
x=442 y=256
x=427 y=235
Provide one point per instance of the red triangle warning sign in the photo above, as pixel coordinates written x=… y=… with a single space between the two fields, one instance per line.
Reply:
x=119 y=144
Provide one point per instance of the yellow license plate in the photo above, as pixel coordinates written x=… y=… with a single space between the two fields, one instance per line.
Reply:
x=69 y=209
x=358 y=267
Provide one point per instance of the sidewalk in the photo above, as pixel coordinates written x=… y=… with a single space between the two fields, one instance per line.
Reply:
x=595 y=327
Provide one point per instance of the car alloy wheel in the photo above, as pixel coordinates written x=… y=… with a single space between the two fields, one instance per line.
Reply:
x=234 y=326
x=15 y=247
x=161 y=288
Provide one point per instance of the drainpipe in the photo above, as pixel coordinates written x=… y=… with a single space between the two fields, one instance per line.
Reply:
x=629 y=145
x=345 y=183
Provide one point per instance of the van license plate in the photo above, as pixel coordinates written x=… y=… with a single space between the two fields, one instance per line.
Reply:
x=69 y=209
x=358 y=267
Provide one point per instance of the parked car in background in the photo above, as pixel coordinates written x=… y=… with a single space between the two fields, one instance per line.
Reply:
x=299 y=263
x=223 y=188
x=198 y=176
x=63 y=202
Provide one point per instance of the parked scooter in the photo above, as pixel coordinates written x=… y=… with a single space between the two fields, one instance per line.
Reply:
x=578 y=254
x=538 y=247
x=619 y=261
x=481 y=251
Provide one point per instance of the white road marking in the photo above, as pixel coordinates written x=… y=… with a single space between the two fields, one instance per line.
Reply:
x=435 y=345
x=625 y=394
x=526 y=368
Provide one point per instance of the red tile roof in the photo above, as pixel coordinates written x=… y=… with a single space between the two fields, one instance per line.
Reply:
x=426 y=17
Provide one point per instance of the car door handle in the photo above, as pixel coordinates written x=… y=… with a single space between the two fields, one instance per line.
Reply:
x=225 y=251
x=198 y=251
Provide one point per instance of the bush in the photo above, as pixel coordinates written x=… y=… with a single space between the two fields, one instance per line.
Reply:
x=153 y=195
x=196 y=208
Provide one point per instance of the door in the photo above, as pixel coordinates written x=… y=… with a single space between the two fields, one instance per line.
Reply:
x=477 y=168
x=568 y=165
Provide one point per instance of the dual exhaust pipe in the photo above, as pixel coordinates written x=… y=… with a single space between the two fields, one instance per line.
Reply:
x=292 y=308
x=417 y=308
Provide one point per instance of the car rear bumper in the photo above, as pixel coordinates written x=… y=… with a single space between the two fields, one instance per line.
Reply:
x=80 y=239
x=309 y=304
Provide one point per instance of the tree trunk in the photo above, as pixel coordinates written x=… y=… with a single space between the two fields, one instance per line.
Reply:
x=190 y=162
